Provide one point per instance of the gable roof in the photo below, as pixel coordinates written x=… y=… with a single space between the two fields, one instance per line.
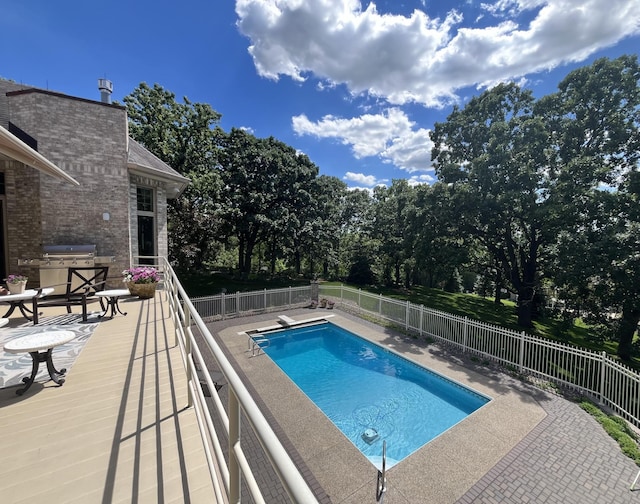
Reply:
x=141 y=160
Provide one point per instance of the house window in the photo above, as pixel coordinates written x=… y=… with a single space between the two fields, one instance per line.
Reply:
x=146 y=224
x=145 y=199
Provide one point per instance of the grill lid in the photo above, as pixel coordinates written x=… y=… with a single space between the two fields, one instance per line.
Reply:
x=69 y=250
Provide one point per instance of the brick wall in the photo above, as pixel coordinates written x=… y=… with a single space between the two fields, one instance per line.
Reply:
x=88 y=141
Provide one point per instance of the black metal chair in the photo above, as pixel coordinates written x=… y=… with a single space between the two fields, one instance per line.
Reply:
x=81 y=287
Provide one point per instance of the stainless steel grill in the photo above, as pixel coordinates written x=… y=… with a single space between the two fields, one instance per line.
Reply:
x=57 y=259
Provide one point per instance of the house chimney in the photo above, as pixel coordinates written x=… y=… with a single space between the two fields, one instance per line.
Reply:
x=106 y=87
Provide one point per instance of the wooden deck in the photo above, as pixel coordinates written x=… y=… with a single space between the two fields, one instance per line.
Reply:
x=118 y=430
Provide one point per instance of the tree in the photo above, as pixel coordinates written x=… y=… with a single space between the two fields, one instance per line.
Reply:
x=596 y=146
x=356 y=241
x=392 y=207
x=438 y=246
x=328 y=197
x=185 y=136
x=267 y=184
x=492 y=153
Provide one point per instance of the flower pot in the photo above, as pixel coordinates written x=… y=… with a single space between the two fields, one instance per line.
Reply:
x=142 y=290
x=17 y=288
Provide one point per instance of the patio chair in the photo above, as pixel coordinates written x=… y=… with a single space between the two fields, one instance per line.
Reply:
x=80 y=289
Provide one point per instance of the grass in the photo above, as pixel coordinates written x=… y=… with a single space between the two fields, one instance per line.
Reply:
x=617 y=428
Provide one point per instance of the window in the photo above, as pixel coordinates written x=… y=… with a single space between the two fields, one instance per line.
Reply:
x=146 y=224
x=145 y=199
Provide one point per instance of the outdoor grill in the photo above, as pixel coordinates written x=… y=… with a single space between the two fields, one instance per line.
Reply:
x=57 y=259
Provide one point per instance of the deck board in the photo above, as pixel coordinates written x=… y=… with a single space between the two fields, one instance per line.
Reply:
x=118 y=430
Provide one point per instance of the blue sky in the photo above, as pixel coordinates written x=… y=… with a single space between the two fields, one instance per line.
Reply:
x=355 y=86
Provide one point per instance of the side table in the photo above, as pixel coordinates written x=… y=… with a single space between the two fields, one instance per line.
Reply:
x=34 y=344
x=18 y=301
x=112 y=296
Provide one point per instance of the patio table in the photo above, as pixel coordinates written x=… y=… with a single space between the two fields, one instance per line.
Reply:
x=113 y=296
x=18 y=301
x=34 y=344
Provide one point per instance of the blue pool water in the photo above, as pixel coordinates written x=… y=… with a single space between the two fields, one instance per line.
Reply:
x=369 y=393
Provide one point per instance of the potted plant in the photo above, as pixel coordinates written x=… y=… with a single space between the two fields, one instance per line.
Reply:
x=141 y=281
x=16 y=283
x=323 y=303
x=330 y=304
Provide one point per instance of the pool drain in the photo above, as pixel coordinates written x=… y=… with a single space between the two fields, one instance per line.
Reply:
x=370 y=435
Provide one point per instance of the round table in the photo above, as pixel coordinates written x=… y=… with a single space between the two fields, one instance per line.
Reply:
x=112 y=296
x=18 y=300
x=34 y=344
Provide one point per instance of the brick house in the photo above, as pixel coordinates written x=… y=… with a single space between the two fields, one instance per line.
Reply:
x=120 y=202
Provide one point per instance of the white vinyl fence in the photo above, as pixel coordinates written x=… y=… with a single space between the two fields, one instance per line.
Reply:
x=223 y=306
x=593 y=373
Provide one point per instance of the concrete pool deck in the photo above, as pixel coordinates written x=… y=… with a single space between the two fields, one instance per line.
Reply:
x=500 y=453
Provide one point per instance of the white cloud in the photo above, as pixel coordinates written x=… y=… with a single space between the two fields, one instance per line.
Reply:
x=421 y=59
x=364 y=180
x=248 y=129
x=421 y=179
x=391 y=136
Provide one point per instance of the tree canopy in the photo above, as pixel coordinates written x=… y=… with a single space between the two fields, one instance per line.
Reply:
x=538 y=196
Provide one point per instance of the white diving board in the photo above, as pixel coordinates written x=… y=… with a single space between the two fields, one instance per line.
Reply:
x=289 y=322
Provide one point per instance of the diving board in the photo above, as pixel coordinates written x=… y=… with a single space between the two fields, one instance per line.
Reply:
x=289 y=322
x=256 y=340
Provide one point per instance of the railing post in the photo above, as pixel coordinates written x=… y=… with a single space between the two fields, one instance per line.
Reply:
x=521 y=353
x=603 y=364
x=235 y=477
x=187 y=349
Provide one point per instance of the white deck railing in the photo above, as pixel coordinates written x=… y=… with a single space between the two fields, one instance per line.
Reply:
x=227 y=476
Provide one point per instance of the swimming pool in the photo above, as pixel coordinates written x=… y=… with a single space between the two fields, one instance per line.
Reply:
x=368 y=392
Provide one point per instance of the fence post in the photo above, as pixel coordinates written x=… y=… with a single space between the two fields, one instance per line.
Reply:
x=521 y=353
x=359 y=306
x=265 y=299
x=289 y=297
x=406 y=316
x=380 y=305
x=421 y=317
x=238 y=302
x=603 y=364
x=224 y=306
x=465 y=334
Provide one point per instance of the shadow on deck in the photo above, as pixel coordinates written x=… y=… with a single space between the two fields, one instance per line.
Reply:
x=117 y=431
